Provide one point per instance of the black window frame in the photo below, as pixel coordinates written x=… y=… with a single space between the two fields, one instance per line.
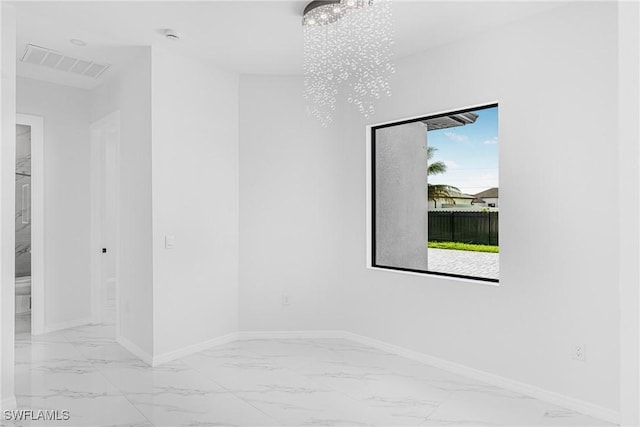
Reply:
x=373 y=194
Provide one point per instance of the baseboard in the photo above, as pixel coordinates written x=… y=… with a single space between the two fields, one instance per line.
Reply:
x=568 y=402
x=278 y=335
x=194 y=348
x=9 y=403
x=66 y=325
x=137 y=351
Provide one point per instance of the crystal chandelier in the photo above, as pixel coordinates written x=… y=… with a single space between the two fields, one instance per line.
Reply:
x=347 y=47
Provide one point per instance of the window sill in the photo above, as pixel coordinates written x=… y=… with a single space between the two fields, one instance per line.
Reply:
x=477 y=281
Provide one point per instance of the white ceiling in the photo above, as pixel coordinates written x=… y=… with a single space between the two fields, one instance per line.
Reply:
x=253 y=37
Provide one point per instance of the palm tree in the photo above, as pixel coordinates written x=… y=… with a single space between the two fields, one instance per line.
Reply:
x=434 y=168
x=437 y=192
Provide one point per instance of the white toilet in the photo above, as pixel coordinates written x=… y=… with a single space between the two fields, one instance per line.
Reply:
x=23 y=294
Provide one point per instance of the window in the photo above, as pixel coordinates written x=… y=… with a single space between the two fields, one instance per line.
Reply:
x=434 y=194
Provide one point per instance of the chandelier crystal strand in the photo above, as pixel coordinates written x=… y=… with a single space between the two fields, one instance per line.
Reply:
x=347 y=46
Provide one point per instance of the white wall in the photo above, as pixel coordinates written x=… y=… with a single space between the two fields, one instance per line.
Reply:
x=629 y=215
x=130 y=92
x=303 y=208
x=195 y=199
x=65 y=111
x=558 y=269
x=179 y=177
x=290 y=213
x=7 y=224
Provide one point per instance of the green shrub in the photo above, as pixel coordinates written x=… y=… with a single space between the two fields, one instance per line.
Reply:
x=463 y=247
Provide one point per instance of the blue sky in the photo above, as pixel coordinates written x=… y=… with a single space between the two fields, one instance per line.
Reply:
x=470 y=153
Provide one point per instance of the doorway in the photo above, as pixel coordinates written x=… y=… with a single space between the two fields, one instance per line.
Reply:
x=29 y=225
x=105 y=141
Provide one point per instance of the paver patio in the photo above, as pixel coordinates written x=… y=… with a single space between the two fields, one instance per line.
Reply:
x=468 y=263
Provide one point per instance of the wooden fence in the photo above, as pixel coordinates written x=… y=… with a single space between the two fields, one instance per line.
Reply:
x=464 y=227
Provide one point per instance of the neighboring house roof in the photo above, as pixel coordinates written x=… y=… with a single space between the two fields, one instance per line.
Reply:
x=491 y=193
x=457 y=195
x=453 y=120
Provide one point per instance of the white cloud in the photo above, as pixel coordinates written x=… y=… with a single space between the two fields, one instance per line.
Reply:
x=492 y=141
x=467 y=181
x=451 y=164
x=456 y=136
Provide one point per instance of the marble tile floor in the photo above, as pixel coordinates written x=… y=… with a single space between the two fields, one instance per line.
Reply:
x=310 y=382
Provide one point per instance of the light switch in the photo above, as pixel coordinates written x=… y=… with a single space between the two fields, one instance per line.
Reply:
x=169 y=241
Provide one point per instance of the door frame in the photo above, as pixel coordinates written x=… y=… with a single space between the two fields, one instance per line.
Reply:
x=108 y=124
x=38 y=293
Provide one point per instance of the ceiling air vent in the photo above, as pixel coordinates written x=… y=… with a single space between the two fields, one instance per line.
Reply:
x=58 y=61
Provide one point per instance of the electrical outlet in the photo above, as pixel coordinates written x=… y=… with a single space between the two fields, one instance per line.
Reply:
x=285 y=299
x=579 y=352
